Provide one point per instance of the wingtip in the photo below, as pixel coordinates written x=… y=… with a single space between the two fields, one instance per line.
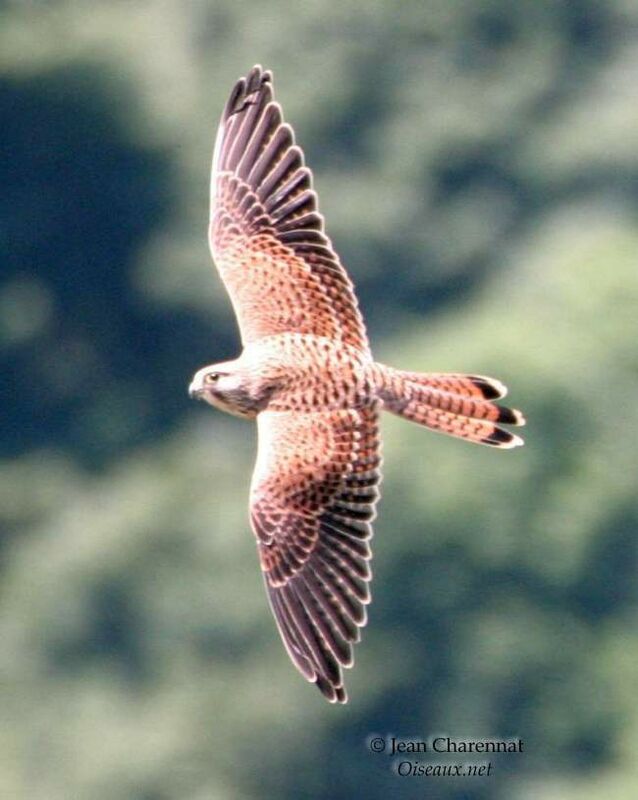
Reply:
x=334 y=694
x=341 y=696
x=266 y=74
x=258 y=75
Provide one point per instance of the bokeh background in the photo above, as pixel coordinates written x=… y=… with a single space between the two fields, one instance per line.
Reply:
x=478 y=167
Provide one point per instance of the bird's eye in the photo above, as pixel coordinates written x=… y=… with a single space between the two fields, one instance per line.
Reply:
x=211 y=377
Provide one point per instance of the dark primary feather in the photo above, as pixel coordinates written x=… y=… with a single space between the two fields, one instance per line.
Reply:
x=312 y=524
x=261 y=187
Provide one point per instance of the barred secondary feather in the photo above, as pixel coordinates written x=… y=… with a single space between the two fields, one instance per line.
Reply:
x=306 y=374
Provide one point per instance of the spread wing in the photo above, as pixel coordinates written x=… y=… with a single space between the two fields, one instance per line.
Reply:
x=266 y=233
x=312 y=501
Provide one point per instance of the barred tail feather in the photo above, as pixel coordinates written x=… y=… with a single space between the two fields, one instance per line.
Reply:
x=452 y=403
x=478 y=386
x=472 y=430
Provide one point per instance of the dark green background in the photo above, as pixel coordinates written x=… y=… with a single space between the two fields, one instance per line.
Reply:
x=477 y=163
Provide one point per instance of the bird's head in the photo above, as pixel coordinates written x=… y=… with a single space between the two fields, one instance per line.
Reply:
x=226 y=386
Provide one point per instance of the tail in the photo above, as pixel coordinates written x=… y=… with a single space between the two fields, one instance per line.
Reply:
x=460 y=405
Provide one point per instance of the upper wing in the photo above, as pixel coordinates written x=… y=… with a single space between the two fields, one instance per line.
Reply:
x=312 y=501
x=266 y=233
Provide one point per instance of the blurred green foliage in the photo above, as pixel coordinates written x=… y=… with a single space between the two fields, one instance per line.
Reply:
x=477 y=166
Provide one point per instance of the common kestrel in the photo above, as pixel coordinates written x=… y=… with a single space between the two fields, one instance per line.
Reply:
x=307 y=375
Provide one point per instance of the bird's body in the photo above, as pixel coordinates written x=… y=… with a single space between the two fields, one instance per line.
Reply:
x=306 y=373
x=301 y=372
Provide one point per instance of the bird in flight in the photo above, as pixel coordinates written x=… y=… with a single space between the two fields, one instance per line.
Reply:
x=306 y=374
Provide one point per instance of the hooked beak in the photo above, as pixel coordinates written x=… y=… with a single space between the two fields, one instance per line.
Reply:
x=195 y=389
